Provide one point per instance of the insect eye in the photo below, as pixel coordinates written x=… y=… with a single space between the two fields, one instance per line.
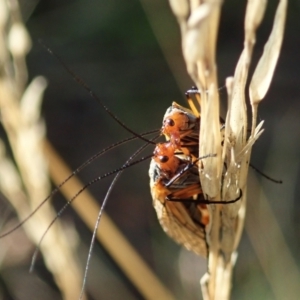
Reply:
x=163 y=158
x=170 y=122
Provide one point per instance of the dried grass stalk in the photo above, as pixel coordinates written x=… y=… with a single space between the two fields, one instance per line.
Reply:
x=199 y=22
x=26 y=185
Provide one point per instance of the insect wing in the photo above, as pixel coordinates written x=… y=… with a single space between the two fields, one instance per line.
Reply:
x=181 y=221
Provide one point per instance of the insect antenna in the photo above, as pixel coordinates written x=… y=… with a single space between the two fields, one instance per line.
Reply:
x=101 y=211
x=59 y=213
x=75 y=172
x=92 y=94
x=264 y=175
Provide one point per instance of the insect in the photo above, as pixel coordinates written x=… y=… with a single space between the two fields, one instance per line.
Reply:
x=174 y=180
x=183 y=221
x=181 y=126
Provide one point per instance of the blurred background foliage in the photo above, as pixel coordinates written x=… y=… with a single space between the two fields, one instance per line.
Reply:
x=129 y=53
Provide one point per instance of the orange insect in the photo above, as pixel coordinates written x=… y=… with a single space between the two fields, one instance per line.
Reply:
x=175 y=200
x=181 y=126
x=174 y=181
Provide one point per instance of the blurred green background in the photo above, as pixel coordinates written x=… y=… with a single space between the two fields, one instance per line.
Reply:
x=129 y=53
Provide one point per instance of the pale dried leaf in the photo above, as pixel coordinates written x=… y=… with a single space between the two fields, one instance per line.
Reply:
x=236 y=116
x=198 y=15
x=31 y=100
x=250 y=142
x=19 y=42
x=3 y=13
x=194 y=36
x=264 y=71
x=9 y=178
x=254 y=14
x=210 y=177
x=180 y=8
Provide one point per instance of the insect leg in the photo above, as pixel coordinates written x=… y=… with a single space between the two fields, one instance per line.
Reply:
x=203 y=201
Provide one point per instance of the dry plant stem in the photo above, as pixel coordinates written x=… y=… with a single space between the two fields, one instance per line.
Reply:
x=108 y=234
x=20 y=112
x=199 y=21
x=199 y=31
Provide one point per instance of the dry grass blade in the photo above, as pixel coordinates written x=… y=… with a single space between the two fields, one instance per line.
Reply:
x=25 y=188
x=199 y=21
x=265 y=68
